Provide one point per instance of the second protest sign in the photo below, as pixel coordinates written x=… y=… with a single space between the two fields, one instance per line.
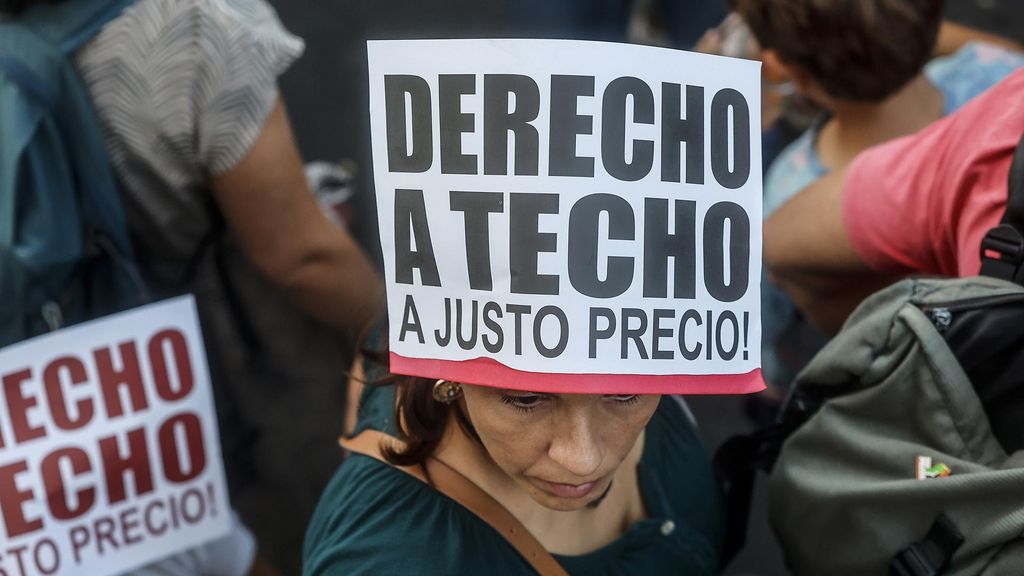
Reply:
x=109 y=452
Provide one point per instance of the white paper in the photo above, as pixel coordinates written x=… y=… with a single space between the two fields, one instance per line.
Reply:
x=65 y=508
x=722 y=185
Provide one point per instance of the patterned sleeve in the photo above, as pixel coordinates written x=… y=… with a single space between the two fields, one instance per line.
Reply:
x=243 y=48
x=182 y=89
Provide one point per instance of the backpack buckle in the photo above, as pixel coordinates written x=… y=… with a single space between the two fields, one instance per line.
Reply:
x=912 y=561
x=1002 y=252
x=932 y=555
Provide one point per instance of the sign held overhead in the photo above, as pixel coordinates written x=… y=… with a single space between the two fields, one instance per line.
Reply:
x=569 y=216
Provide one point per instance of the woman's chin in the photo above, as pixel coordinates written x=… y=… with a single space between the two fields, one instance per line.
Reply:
x=560 y=504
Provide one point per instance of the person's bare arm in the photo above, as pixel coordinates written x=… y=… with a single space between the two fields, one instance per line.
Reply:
x=809 y=255
x=268 y=205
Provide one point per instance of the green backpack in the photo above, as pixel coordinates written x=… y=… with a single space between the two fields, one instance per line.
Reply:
x=900 y=449
x=909 y=459
x=65 y=252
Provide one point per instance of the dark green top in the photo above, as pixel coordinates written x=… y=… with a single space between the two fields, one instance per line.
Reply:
x=374 y=519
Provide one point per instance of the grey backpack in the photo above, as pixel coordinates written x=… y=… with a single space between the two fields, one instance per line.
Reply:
x=908 y=456
x=900 y=449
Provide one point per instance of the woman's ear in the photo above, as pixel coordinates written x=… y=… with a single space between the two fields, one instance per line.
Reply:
x=775 y=70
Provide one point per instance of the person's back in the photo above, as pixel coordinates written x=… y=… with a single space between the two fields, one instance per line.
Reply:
x=946 y=185
x=65 y=253
x=217 y=205
x=916 y=205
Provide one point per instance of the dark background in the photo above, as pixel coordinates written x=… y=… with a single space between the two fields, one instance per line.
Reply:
x=326 y=90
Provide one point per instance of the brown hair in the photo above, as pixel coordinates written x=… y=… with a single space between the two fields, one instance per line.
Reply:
x=853 y=49
x=419 y=419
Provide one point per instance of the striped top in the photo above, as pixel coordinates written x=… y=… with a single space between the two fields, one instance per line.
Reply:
x=182 y=89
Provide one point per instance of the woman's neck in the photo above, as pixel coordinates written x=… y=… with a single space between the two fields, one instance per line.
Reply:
x=570 y=533
x=855 y=126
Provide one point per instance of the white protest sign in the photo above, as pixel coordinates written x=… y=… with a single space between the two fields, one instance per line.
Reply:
x=569 y=216
x=109 y=452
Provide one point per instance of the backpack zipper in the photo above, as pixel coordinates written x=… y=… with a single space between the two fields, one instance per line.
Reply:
x=942 y=318
x=941 y=315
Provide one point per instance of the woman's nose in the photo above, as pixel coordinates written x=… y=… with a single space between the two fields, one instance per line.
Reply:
x=576 y=448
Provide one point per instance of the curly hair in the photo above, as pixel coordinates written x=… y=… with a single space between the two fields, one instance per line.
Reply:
x=862 y=50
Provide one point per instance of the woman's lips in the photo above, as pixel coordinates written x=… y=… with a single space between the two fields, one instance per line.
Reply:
x=571 y=491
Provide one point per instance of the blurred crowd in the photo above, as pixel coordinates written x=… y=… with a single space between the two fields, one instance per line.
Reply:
x=888 y=130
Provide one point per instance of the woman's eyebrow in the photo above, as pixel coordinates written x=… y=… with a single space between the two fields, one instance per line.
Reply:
x=512 y=392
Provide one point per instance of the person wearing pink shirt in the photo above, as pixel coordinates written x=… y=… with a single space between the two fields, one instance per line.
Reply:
x=918 y=205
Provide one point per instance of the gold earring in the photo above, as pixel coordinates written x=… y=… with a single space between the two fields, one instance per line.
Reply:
x=447 y=392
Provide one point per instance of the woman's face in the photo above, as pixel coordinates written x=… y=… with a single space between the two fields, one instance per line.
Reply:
x=563 y=449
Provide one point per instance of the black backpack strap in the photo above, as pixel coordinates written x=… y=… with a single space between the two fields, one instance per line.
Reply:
x=737 y=462
x=739 y=459
x=1002 y=248
x=930 y=556
x=735 y=467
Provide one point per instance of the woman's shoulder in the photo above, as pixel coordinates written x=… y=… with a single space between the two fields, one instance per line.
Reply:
x=375 y=519
x=364 y=510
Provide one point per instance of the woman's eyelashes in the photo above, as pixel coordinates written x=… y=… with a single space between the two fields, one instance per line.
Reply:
x=526 y=403
x=624 y=399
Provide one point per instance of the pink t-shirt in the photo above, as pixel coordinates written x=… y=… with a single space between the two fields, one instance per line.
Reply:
x=922 y=203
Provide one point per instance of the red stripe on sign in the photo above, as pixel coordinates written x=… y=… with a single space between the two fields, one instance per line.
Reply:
x=489 y=372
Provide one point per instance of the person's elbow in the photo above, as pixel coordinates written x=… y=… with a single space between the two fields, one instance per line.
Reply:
x=335 y=283
x=288 y=264
x=321 y=266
